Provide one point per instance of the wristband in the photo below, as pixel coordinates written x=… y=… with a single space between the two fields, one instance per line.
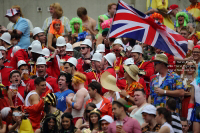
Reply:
x=73 y=104
x=191 y=105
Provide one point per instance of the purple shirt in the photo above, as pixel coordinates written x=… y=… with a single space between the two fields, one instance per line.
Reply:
x=129 y=126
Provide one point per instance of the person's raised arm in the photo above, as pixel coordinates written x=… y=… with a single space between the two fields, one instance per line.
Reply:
x=50 y=38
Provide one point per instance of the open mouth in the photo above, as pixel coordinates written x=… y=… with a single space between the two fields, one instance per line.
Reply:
x=16 y=80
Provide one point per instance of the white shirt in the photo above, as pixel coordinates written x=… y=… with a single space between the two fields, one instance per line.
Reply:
x=160 y=79
x=99 y=104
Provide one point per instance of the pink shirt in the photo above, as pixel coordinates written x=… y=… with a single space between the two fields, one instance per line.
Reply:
x=129 y=126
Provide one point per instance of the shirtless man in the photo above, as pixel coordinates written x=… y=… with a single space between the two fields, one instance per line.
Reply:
x=89 y=24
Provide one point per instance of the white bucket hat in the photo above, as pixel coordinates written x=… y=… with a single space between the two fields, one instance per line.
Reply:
x=87 y=42
x=129 y=61
x=110 y=57
x=6 y=37
x=36 y=48
x=41 y=61
x=137 y=49
x=2 y=48
x=46 y=52
x=69 y=47
x=149 y=109
x=21 y=62
x=107 y=118
x=100 y=48
x=108 y=82
x=72 y=60
x=60 y=41
x=37 y=30
x=97 y=57
x=1 y=56
x=14 y=50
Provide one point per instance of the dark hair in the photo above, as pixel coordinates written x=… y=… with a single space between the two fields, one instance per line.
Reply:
x=47 y=118
x=119 y=105
x=68 y=36
x=70 y=64
x=22 y=66
x=110 y=5
x=86 y=108
x=171 y=103
x=166 y=113
x=81 y=11
x=72 y=127
x=15 y=35
x=183 y=119
x=95 y=86
x=68 y=78
x=38 y=80
x=99 y=117
x=13 y=72
x=12 y=131
x=142 y=90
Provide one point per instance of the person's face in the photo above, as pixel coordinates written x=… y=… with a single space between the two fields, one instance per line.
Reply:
x=104 y=126
x=147 y=118
x=157 y=66
x=158 y=118
x=41 y=87
x=62 y=83
x=91 y=92
x=41 y=37
x=126 y=76
x=41 y=69
x=190 y=68
x=180 y=20
x=15 y=78
x=196 y=54
x=128 y=53
x=62 y=50
x=66 y=123
x=112 y=10
x=117 y=111
x=97 y=65
x=70 y=53
x=102 y=63
x=22 y=68
x=116 y=50
x=89 y=109
x=185 y=126
x=158 y=51
x=52 y=11
x=14 y=41
x=184 y=33
x=139 y=98
x=4 y=54
x=67 y=68
x=12 y=19
x=76 y=26
x=84 y=49
x=51 y=124
x=136 y=57
x=57 y=26
x=84 y=17
x=15 y=118
x=94 y=118
x=66 y=39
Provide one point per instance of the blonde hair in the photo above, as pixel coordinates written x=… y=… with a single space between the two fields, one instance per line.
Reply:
x=58 y=9
x=78 y=78
x=18 y=7
x=194 y=63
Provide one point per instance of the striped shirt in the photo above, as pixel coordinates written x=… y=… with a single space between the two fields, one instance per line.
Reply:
x=176 y=123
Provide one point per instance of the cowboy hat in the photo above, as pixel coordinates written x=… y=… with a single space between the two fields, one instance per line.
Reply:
x=108 y=81
x=161 y=58
x=132 y=71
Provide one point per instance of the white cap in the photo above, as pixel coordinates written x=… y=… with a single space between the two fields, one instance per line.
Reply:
x=37 y=30
x=137 y=49
x=69 y=47
x=6 y=37
x=97 y=57
x=33 y=42
x=72 y=60
x=87 y=42
x=46 y=52
x=14 y=50
x=118 y=41
x=11 y=12
x=100 y=48
x=107 y=118
x=60 y=41
x=149 y=109
x=1 y=56
x=21 y=62
x=41 y=61
x=36 y=47
x=129 y=61
x=110 y=57
x=2 y=48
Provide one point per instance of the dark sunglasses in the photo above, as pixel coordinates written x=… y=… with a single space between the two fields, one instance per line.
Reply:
x=157 y=62
x=88 y=111
x=83 y=47
x=190 y=66
x=195 y=52
x=115 y=50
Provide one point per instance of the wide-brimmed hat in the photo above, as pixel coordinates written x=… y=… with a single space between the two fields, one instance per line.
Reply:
x=122 y=101
x=132 y=71
x=108 y=81
x=161 y=58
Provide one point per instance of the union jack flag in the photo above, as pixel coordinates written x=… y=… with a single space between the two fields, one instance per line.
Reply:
x=130 y=23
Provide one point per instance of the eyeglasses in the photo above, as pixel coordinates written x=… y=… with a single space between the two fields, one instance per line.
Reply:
x=190 y=66
x=88 y=111
x=157 y=62
x=195 y=52
x=83 y=48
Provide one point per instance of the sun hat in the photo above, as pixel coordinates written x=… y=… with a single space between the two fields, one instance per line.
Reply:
x=108 y=81
x=11 y=12
x=161 y=58
x=107 y=118
x=149 y=109
x=132 y=71
x=122 y=101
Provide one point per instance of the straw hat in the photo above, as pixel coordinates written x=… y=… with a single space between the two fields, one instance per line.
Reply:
x=108 y=81
x=161 y=58
x=132 y=71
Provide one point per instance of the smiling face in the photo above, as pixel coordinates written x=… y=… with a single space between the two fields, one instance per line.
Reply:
x=52 y=11
x=181 y=20
x=196 y=54
x=76 y=26
x=94 y=118
x=41 y=69
x=57 y=26
x=51 y=124
x=62 y=83
x=66 y=123
x=190 y=68
x=62 y=50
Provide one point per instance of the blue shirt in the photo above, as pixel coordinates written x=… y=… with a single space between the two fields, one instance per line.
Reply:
x=61 y=98
x=22 y=25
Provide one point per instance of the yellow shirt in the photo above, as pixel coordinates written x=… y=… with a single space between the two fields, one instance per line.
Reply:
x=194 y=10
x=168 y=22
x=156 y=4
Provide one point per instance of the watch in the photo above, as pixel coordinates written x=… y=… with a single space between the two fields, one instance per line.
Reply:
x=128 y=96
x=165 y=92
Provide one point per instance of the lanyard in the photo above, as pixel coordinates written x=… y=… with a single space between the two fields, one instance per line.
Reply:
x=119 y=62
x=141 y=64
x=15 y=23
x=95 y=75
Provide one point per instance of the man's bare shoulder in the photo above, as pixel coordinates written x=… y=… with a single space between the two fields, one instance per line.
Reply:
x=92 y=20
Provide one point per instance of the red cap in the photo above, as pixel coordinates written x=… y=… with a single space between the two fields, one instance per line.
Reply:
x=172 y=7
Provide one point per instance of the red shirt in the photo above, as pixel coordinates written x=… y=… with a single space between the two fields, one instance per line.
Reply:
x=92 y=75
x=4 y=102
x=9 y=51
x=19 y=98
x=5 y=72
x=6 y=62
x=81 y=66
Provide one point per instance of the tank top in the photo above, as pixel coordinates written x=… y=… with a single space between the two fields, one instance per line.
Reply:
x=27 y=97
x=166 y=124
x=79 y=113
x=196 y=91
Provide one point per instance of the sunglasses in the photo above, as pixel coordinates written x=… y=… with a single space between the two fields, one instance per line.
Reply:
x=106 y=124
x=115 y=50
x=83 y=48
x=157 y=62
x=190 y=66
x=88 y=111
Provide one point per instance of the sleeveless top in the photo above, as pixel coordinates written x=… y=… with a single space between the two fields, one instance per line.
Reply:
x=166 y=124
x=79 y=113
x=27 y=97
x=196 y=91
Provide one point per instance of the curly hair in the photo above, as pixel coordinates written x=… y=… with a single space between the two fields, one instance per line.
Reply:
x=78 y=78
x=58 y=9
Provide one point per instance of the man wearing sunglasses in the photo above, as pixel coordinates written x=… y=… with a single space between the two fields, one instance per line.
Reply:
x=165 y=85
x=196 y=54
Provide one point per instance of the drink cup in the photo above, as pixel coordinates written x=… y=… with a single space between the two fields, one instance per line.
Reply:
x=25 y=75
x=14 y=87
x=119 y=124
